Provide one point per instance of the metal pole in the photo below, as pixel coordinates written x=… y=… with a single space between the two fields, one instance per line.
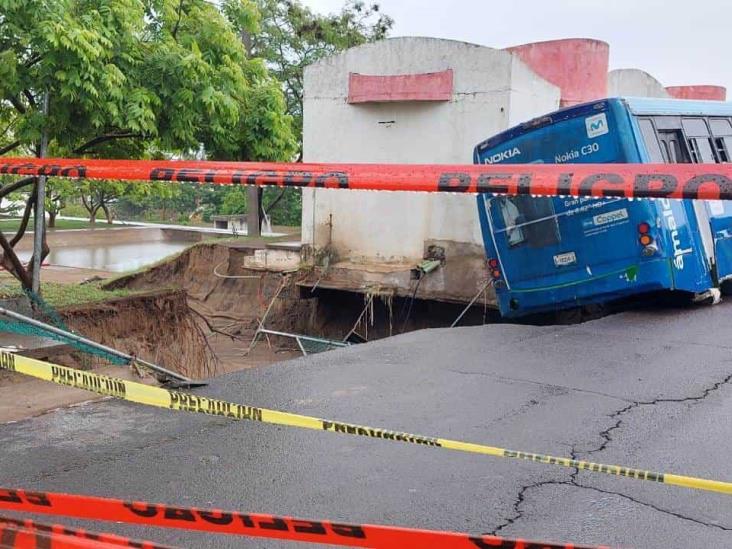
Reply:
x=94 y=344
x=40 y=210
x=465 y=310
x=253 y=211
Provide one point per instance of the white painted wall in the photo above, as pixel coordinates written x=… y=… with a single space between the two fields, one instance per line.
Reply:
x=493 y=90
x=634 y=83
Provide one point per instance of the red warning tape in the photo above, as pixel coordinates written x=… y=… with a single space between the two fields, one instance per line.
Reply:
x=707 y=181
x=28 y=534
x=258 y=525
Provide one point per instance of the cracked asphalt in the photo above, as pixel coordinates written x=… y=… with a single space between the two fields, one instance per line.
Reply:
x=647 y=389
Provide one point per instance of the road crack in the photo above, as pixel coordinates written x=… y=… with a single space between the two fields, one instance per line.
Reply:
x=606 y=435
x=607 y=438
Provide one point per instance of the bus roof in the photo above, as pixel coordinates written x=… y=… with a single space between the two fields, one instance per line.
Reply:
x=646 y=105
x=636 y=105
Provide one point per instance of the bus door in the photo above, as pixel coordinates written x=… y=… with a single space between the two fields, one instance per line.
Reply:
x=714 y=144
x=675 y=149
x=709 y=141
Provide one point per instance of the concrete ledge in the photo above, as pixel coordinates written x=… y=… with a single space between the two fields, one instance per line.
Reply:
x=431 y=86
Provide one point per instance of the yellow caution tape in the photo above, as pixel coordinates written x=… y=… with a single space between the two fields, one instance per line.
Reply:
x=187 y=402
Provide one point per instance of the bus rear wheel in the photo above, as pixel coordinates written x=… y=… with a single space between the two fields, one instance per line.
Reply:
x=726 y=287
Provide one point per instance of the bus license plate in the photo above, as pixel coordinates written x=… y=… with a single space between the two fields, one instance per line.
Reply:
x=561 y=260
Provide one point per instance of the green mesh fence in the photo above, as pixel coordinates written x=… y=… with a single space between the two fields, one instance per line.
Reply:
x=20 y=328
x=314 y=346
x=49 y=315
x=41 y=306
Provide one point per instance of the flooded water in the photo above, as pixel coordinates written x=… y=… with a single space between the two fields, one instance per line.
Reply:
x=113 y=257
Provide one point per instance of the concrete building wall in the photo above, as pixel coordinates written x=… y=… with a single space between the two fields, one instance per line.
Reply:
x=492 y=89
x=634 y=83
x=577 y=65
x=703 y=92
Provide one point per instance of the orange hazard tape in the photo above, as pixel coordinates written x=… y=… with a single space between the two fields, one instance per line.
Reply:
x=707 y=181
x=29 y=534
x=216 y=521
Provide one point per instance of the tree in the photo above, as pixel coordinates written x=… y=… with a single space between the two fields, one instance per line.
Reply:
x=133 y=79
x=292 y=37
x=58 y=192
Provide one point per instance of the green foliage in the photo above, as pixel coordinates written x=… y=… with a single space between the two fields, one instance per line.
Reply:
x=61 y=224
x=64 y=295
x=235 y=201
x=129 y=77
x=58 y=193
x=292 y=36
x=288 y=210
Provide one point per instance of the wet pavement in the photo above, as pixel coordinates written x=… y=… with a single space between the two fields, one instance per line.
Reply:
x=113 y=257
x=108 y=249
x=649 y=389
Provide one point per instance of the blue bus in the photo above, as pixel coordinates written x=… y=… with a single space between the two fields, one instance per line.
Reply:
x=563 y=253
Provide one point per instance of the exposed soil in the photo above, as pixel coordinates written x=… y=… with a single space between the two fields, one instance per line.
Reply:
x=231 y=297
x=235 y=299
x=198 y=312
x=158 y=327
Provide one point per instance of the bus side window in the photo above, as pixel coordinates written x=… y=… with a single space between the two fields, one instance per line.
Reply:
x=512 y=219
x=530 y=220
x=651 y=141
x=672 y=147
x=722 y=132
x=700 y=144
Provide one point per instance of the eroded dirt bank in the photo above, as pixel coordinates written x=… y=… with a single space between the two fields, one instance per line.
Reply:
x=235 y=299
x=157 y=326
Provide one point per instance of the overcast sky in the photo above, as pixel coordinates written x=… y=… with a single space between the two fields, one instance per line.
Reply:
x=678 y=41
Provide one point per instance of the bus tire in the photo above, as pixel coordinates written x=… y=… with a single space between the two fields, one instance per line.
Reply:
x=726 y=287
x=569 y=316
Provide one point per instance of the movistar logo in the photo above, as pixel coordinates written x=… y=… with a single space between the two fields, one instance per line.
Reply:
x=596 y=125
x=502 y=156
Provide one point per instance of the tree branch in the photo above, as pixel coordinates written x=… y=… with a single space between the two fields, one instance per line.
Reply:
x=10 y=147
x=33 y=60
x=11 y=259
x=18 y=105
x=104 y=138
x=12 y=187
x=87 y=206
x=174 y=33
x=272 y=204
x=30 y=98
x=26 y=217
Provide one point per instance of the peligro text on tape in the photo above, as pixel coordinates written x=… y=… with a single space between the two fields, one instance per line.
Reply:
x=18 y=532
x=174 y=400
x=216 y=521
x=706 y=181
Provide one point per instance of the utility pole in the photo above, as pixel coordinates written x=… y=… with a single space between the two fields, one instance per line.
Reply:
x=253 y=219
x=40 y=207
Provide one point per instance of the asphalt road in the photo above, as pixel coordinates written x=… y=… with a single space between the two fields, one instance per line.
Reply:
x=649 y=389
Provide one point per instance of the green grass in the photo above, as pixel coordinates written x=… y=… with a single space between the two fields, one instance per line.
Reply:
x=65 y=295
x=9 y=225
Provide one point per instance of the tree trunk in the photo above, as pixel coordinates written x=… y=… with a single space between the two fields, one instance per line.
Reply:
x=93 y=215
x=52 y=219
x=108 y=213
